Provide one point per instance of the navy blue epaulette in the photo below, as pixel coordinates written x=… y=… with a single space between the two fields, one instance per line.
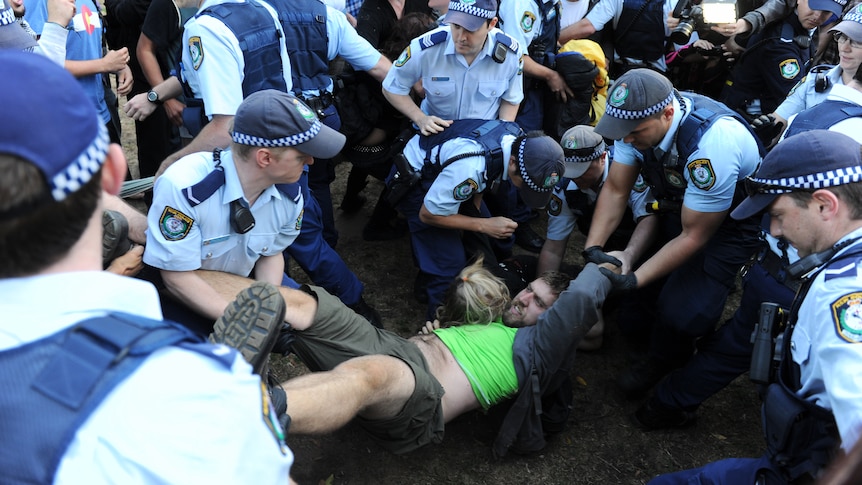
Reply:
x=204 y=189
x=292 y=191
x=507 y=41
x=433 y=38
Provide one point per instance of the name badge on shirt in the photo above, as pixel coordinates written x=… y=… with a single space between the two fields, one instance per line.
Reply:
x=216 y=240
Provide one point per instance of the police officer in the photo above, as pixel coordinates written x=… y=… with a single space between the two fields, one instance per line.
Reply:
x=841 y=112
x=236 y=210
x=218 y=78
x=455 y=168
x=315 y=34
x=640 y=29
x=468 y=69
x=810 y=186
x=775 y=59
x=814 y=88
x=693 y=153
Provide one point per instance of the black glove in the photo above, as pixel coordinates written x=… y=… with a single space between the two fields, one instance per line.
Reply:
x=621 y=282
x=595 y=254
x=766 y=128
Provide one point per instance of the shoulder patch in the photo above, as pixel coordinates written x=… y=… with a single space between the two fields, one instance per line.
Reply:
x=847 y=315
x=271 y=419
x=403 y=58
x=196 y=52
x=789 y=68
x=640 y=185
x=555 y=205
x=701 y=173
x=433 y=38
x=507 y=41
x=527 y=21
x=174 y=225
x=465 y=189
x=299 y=219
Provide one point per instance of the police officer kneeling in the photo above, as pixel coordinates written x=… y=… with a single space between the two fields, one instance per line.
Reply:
x=811 y=186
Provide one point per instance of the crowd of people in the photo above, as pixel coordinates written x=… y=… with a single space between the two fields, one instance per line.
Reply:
x=691 y=154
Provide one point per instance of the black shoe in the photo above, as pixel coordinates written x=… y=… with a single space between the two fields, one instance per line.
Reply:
x=115 y=236
x=652 y=416
x=363 y=309
x=250 y=323
x=351 y=204
x=640 y=377
x=527 y=238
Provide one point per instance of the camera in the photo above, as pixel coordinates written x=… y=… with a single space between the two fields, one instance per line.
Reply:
x=690 y=18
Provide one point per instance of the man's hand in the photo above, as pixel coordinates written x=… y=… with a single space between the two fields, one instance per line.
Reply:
x=174 y=109
x=115 y=61
x=428 y=125
x=625 y=259
x=595 y=254
x=620 y=282
x=498 y=227
x=128 y=264
x=61 y=11
x=429 y=327
x=139 y=107
x=124 y=81
x=558 y=86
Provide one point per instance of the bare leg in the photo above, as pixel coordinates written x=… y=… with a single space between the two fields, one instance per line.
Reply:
x=373 y=386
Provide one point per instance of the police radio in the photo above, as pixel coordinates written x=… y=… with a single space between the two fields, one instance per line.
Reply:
x=241 y=217
x=765 y=355
x=499 y=54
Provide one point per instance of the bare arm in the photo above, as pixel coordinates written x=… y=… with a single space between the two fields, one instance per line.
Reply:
x=551 y=255
x=214 y=135
x=114 y=61
x=508 y=111
x=380 y=69
x=269 y=269
x=190 y=289
x=612 y=202
x=579 y=30
x=139 y=107
x=697 y=228
x=137 y=219
x=497 y=227
x=642 y=238
x=428 y=125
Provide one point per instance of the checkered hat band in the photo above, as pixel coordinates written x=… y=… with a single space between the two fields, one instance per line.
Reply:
x=841 y=176
x=7 y=17
x=854 y=16
x=522 y=167
x=597 y=152
x=471 y=10
x=288 y=141
x=625 y=114
x=83 y=168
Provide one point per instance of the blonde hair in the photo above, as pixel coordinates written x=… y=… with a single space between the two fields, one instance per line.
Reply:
x=476 y=296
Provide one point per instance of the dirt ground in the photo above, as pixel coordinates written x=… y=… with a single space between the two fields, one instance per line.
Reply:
x=599 y=445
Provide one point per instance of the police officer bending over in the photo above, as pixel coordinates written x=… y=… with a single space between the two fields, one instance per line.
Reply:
x=454 y=168
x=811 y=186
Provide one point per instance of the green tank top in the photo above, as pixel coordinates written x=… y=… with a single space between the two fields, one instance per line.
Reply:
x=485 y=354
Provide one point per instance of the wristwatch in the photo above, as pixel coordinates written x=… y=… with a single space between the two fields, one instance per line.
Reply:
x=153 y=97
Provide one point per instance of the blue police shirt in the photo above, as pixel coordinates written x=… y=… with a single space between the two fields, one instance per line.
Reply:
x=182 y=237
x=453 y=89
x=726 y=154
